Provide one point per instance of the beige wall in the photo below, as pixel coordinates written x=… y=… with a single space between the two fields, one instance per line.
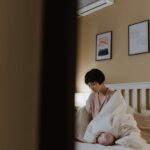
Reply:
x=20 y=24
x=121 y=68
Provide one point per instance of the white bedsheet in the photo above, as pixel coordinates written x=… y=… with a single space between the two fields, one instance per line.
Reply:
x=87 y=146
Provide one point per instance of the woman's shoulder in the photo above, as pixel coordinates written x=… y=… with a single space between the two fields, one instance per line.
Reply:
x=110 y=92
x=91 y=97
x=93 y=94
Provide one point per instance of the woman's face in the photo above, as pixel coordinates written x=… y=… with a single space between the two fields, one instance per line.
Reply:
x=95 y=86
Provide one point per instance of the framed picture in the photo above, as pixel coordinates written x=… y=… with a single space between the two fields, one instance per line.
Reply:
x=104 y=46
x=138 y=38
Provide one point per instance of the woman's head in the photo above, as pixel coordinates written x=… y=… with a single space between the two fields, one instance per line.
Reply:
x=94 y=75
x=94 y=79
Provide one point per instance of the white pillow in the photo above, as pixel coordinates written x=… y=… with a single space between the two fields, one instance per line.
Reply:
x=81 y=122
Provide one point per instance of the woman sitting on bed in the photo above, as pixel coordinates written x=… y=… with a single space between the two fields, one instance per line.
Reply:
x=105 y=119
x=98 y=99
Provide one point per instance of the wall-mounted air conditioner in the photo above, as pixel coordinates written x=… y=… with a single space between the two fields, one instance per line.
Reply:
x=86 y=7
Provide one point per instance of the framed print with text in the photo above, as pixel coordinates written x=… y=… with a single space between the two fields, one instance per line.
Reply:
x=138 y=38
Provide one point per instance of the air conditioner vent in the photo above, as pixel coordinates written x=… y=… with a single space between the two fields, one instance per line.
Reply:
x=86 y=7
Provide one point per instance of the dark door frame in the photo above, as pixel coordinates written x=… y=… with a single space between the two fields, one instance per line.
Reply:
x=56 y=129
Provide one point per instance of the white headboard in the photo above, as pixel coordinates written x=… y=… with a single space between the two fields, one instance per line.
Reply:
x=136 y=95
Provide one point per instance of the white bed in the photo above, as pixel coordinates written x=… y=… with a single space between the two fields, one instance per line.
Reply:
x=87 y=146
x=137 y=95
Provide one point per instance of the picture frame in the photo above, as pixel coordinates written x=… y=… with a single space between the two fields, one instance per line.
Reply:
x=138 y=38
x=104 y=46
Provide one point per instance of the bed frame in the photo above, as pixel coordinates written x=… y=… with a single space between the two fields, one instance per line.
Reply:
x=137 y=95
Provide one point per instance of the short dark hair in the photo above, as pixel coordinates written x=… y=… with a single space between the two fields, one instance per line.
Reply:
x=94 y=75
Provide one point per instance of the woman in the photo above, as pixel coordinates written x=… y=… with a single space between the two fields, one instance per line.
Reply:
x=98 y=99
x=105 y=118
x=100 y=95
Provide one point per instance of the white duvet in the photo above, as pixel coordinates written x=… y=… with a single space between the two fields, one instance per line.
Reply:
x=113 y=118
